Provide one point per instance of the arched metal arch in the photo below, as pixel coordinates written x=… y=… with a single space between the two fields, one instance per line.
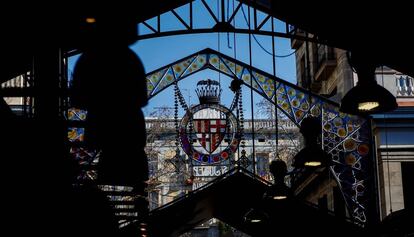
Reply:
x=222 y=22
x=346 y=137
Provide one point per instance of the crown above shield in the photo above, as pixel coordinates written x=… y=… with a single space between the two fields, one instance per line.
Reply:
x=208 y=91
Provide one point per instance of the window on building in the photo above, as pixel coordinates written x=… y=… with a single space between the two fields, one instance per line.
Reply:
x=339 y=203
x=314 y=60
x=262 y=164
x=323 y=202
x=303 y=78
x=407 y=173
x=325 y=53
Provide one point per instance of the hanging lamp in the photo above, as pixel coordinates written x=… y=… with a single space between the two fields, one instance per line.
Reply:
x=367 y=97
x=279 y=190
x=255 y=216
x=312 y=154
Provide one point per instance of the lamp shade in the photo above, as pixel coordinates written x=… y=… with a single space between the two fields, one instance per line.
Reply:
x=278 y=191
x=255 y=216
x=278 y=168
x=312 y=156
x=368 y=98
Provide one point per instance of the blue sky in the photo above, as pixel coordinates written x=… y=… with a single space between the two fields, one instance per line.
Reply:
x=158 y=52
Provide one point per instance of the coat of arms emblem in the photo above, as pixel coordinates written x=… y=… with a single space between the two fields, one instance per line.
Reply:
x=209 y=132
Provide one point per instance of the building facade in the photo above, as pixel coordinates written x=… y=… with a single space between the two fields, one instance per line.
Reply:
x=16 y=103
x=394 y=142
x=172 y=177
x=322 y=69
x=325 y=71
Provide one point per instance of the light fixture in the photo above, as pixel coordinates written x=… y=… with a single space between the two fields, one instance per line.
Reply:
x=367 y=106
x=313 y=163
x=279 y=190
x=312 y=155
x=90 y=20
x=143 y=226
x=367 y=97
x=255 y=216
x=143 y=229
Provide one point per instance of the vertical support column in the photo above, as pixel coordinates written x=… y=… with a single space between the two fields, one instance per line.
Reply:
x=46 y=73
x=49 y=167
x=251 y=96
x=373 y=205
x=308 y=72
x=48 y=133
x=223 y=15
x=63 y=84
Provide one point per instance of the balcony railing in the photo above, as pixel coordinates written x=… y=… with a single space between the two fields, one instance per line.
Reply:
x=325 y=53
x=405 y=86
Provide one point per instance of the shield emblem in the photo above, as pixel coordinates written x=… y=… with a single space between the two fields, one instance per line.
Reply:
x=210 y=132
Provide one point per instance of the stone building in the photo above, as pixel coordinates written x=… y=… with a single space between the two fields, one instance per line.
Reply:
x=326 y=72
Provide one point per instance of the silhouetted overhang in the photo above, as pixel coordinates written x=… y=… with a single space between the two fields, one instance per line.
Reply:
x=29 y=28
x=398 y=223
x=230 y=197
x=379 y=30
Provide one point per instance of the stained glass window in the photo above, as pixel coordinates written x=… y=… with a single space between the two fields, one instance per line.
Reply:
x=345 y=137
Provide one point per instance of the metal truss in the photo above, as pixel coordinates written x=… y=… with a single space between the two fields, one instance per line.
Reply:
x=346 y=137
x=222 y=22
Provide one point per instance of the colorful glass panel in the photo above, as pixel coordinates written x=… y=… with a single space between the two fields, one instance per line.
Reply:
x=196 y=65
x=225 y=68
x=283 y=101
x=299 y=103
x=76 y=134
x=267 y=84
x=235 y=68
x=214 y=60
x=181 y=67
x=246 y=77
x=344 y=136
x=76 y=114
x=167 y=80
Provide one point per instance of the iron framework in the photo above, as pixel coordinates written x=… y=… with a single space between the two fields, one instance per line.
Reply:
x=221 y=21
x=346 y=137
